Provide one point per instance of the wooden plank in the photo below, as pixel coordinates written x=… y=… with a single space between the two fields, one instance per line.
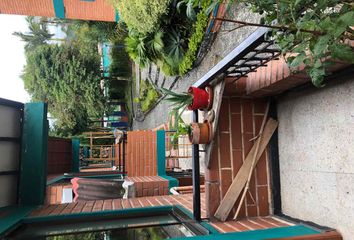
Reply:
x=253 y=163
x=99 y=159
x=218 y=93
x=240 y=180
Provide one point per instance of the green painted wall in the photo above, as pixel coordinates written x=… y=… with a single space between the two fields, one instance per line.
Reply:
x=161 y=159
x=11 y=216
x=75 y=143
x=117 y=16
x=281 y=232
x=59 y=8
x=34 y=154
x=103 y=213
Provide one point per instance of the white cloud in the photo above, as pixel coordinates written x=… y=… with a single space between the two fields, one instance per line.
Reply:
x=12 y=58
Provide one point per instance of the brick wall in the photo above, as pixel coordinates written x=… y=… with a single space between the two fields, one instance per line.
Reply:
x=268 y=80
x=98 y=10
x=141 y=153
x=54 y=193
x=149 y=186
x=240 y=121
x=59 y=156
x=27 y=7
x=273 y=79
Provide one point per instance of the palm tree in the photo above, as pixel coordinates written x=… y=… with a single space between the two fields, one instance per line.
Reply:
x=144 y=49
x=38 y=33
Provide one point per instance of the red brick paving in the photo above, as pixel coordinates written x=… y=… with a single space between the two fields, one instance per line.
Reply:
x=185 y=200
x=249 y=224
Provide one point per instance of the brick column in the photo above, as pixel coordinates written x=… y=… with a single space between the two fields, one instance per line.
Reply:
x=149 y=186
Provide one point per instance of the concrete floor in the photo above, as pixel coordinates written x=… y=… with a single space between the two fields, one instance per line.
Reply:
x=316 y=151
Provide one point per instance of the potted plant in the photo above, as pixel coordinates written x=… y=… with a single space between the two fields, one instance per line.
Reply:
x=200 y=133
x=202 y=98
x=177 y=124
x=195 y=98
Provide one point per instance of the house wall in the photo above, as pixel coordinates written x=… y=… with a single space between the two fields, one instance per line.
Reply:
x=98 y=10
x=10 y=135
x=29 y=7
x=316 y=149
x=149 y=186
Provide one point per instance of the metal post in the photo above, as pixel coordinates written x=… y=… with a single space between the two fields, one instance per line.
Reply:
x=124 y=144
x=196 y=174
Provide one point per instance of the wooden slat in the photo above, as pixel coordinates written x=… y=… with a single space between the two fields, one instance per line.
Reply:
x=240 y=180
x=218 y=93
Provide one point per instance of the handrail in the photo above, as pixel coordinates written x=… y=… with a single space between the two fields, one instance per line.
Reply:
x=249 y=44
x=255 y=51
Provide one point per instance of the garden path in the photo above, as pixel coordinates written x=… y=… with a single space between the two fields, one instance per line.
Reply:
x=225 y=42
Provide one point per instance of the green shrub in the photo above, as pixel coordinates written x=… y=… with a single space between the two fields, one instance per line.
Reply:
x=117 y=89
x=196 y=38
x=142 y=15
x=147 y=96
x=144 y=49
x=174 y=50
x=121 y=63
x=169 y=69
x=160 y=32
x=151 y=98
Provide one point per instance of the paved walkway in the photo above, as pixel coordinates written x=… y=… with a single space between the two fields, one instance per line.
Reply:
x=316 y=135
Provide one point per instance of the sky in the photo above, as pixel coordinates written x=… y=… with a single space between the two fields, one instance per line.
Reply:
x=12 y=58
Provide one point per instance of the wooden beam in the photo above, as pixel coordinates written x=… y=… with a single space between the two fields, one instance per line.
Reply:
x=253 y=163
x=218 y=93
x=99 y=159
x=240 y=180
x=98 y=133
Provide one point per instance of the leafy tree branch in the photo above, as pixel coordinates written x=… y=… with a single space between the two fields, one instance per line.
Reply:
x=316 y=33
